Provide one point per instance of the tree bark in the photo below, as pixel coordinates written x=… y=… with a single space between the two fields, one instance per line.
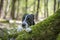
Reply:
x=13 y=9
x=1 y=6
x=26 y=6
x=37 y=10
x=34 y=6
x=45 y=8
x=5 y=9
x=58 y=4
x=54 y=6
x=18 y=9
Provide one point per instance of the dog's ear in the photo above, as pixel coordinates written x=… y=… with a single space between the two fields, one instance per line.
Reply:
x=32 y=16
x=24 y=16
x=33 y=19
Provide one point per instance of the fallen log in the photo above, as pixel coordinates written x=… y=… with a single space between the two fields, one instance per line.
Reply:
x=45 y=30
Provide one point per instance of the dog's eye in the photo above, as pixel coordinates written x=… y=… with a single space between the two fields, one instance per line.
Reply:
x=28 y=19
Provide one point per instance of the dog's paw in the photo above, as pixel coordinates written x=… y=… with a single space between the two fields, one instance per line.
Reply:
x=28 y=30
x=19 y=29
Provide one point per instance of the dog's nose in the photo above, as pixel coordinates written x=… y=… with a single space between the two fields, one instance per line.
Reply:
x=23 y=25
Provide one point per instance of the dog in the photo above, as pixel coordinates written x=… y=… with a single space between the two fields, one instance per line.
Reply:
x=28 y=20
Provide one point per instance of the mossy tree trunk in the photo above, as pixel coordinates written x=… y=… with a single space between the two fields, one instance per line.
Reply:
x=45 y=30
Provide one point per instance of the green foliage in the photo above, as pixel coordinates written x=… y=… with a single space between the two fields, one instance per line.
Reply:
x=3 y=34
x=45 y=30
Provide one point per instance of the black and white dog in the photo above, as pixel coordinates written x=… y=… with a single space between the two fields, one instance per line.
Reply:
x=27 y=21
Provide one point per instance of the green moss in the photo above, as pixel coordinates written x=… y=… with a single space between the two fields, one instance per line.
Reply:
x=3 y=34
x=58 y=38
x=4 y=21
x=45 y=30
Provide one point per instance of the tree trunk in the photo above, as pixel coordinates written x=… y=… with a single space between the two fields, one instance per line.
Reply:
x=13 y=9
x=37 y=10
x=5 y=9
x=58 y=4
x=34 y=6
x=45 y=8
x=1 y=6
x=26 y=6
x=54 y=6
x=18 y=9
x=45 y=30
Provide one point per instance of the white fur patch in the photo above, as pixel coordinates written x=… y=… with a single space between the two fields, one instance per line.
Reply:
x=28 y=29
x=20 y=28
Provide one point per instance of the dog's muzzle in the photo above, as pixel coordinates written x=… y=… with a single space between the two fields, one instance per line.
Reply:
x=24 y=24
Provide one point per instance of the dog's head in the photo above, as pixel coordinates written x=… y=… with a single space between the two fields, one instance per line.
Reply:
x=27 y=20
